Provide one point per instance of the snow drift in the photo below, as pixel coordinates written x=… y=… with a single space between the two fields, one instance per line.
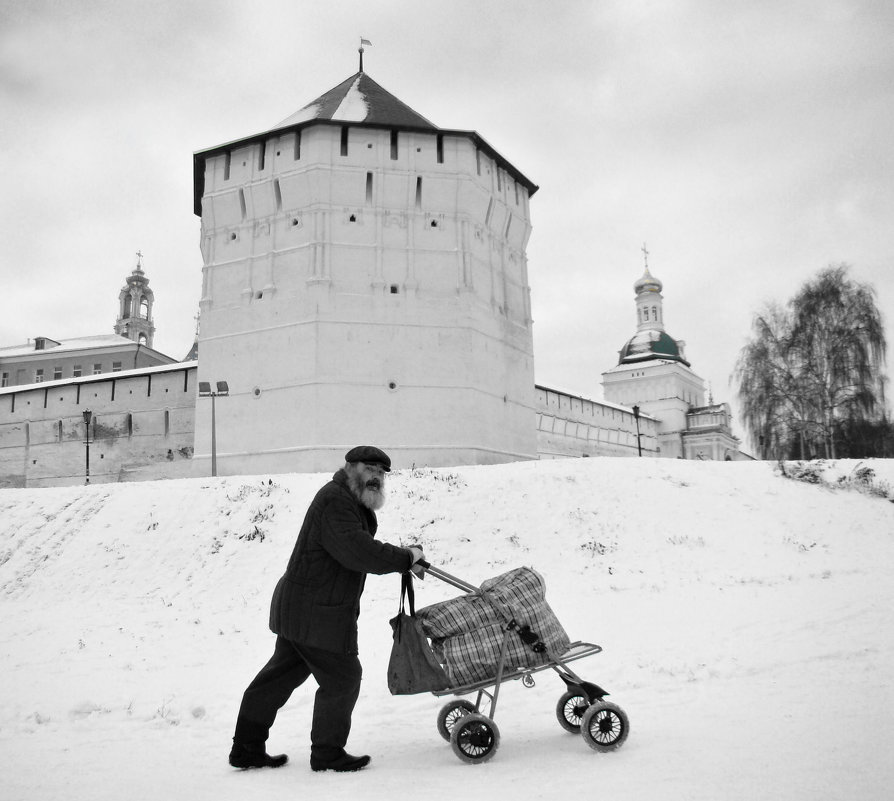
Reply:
x=746 y=621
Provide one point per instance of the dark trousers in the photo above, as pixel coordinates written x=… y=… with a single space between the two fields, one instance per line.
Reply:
x=338 y=677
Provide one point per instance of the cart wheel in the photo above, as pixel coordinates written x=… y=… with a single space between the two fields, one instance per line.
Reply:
x=604 y=726
x=570 y=710
x=475 y=738
x=450 y=713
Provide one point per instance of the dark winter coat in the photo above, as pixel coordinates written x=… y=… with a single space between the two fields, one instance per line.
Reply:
x=317 y=601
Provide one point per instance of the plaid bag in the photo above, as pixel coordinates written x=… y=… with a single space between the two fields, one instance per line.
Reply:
x=457 y=616
x=467 y=632
x=518 y=593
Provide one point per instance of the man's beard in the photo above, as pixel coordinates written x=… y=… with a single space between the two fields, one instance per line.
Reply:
x=371 y=495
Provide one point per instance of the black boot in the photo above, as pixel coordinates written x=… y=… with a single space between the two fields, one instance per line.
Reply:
x=341 y=764
x=254 y=755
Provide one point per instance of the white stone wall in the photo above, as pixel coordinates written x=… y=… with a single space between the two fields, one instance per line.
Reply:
x=568 y=425
x=143 y=421
x=360 y=298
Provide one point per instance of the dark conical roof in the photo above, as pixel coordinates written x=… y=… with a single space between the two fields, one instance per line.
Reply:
x=650 y=345
x=359 y=99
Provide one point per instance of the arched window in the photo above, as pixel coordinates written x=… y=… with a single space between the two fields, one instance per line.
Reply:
x=144 y=309
x=125 y=307
x=143 y=340
x=655 y=313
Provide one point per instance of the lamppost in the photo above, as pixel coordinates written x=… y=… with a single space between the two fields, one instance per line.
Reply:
x=223 y=390
x=639 y=446
x=88 y=417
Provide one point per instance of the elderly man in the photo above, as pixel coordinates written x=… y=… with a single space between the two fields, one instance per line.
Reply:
x=314 y=615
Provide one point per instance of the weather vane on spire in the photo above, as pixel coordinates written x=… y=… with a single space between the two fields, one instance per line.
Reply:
x=368 y=44
x=139 y=259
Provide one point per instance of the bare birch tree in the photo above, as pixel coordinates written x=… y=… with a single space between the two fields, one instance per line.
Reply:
x=813 y=365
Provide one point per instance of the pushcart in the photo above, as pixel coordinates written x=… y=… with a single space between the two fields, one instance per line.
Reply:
x=581 y=709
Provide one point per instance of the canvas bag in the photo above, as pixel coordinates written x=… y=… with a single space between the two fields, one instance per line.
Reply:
x=467 y=632
x=412 y=667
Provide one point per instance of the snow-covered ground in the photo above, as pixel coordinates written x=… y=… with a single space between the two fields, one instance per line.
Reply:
x=746 y=621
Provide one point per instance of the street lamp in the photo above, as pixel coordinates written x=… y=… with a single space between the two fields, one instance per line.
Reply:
x=88 y=417
x=639 y=446
x=223 y=390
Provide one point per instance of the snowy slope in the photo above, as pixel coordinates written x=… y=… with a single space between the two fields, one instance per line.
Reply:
x=745 y=619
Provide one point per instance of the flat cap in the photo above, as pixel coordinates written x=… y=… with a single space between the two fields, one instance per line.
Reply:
x=370 y=455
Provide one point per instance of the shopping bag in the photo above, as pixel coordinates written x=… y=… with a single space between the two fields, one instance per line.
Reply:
x=467 y=633
x=412 y=667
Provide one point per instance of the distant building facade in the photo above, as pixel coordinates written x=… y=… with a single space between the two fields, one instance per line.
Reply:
x=46 y=359
x=129 y=348
x=142 y=404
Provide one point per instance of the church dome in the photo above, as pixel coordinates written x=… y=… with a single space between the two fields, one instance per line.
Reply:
x=648 y=283
x=649 y=345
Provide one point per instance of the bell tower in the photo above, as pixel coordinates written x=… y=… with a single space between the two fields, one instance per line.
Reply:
x=135 y=307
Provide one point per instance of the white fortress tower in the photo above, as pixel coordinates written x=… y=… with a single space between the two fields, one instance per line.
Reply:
x=365 y=281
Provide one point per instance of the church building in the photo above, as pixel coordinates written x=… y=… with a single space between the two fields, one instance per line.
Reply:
x=135 y=312
x=654 y=375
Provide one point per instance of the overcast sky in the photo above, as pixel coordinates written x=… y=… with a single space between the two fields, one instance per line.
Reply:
x=749 y=144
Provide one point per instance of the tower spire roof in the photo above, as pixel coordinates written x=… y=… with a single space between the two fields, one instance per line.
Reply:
x=359 y=99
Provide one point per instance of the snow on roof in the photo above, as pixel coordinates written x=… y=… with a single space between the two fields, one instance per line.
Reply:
x=353 y=108
x=608 y=404
x=359 y=99
x=653 y=362
x=309 y=112
x=77 y=343
x=90 y=379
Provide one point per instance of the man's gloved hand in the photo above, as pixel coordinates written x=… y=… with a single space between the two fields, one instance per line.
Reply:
x=417 y=569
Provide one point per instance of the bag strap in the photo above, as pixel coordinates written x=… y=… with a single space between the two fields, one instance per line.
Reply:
x=407 y=591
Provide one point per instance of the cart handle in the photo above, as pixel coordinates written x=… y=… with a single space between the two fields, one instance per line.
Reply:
x=446 y=577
